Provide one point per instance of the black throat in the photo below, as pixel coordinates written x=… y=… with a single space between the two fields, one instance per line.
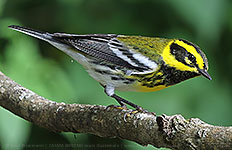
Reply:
x=173 y=76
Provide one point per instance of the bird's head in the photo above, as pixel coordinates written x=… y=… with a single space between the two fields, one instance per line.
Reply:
x=185 y=56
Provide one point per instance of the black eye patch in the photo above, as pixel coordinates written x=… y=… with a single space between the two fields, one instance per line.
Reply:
x=180 y=54
x=178 y=51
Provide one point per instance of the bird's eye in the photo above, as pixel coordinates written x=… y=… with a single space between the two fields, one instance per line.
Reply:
x=191 y=58
x=173 y=51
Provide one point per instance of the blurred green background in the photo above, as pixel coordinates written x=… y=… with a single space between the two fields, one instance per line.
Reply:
x=50 y=73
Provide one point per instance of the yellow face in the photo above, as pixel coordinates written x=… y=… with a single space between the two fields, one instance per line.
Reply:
x=181 y=60
x=185 y=56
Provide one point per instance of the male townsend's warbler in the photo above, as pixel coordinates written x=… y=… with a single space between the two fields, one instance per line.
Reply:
x=129 y=63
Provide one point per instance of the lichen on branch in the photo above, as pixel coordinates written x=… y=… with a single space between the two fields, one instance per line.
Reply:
x=173 y=132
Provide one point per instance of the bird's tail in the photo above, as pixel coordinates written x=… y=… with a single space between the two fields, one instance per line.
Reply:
x=35 y=33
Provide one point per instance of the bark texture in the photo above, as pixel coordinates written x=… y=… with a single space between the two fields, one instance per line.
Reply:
x=173 y=132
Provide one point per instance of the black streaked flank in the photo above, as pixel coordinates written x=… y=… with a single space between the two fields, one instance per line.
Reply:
x=117 y=78
x=131 y=80
x=103 y=72
x=127 y=82
x=151 y=80
x=110 y=66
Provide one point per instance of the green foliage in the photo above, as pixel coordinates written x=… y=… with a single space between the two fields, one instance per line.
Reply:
x=50 y=73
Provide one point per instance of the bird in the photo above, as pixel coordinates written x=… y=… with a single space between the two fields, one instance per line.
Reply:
x=129 y=63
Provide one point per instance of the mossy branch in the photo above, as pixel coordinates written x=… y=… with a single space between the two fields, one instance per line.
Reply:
x=173 y=132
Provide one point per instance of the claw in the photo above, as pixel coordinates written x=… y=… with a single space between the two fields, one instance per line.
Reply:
x=128 y=114
x=138 y=110
x=117 y=107
x=132 y=112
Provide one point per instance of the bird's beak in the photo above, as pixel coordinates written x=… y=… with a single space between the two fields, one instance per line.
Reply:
x=205 y=73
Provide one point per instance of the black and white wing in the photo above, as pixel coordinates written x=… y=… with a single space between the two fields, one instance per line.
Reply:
x=102 y=47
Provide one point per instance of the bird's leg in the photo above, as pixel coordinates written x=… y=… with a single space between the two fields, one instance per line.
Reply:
x=121 y=100
x=109 y=90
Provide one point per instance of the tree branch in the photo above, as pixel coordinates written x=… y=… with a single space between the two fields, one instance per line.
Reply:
x=144 y=128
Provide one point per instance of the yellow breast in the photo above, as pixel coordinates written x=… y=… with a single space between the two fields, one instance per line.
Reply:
x=140 y=88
